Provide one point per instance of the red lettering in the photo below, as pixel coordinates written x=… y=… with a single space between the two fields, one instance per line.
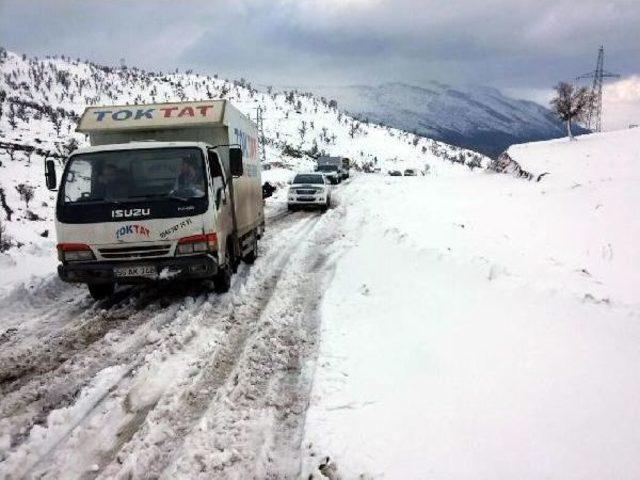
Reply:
x=203 y=109
x=186 y=111
x=167 y=111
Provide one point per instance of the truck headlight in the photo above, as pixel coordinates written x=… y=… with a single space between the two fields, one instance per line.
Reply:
x=74 y=252
x=197 y=244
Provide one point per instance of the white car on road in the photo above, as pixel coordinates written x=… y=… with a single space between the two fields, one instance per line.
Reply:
x=310 y=190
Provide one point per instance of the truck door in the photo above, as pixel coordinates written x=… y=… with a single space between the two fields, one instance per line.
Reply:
x=221 y=200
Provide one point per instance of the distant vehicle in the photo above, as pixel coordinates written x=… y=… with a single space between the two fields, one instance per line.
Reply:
x=426 y=169
x=410 y=172
x=333 y=164
x=395 y=173
x=331 y=172
x=310 y=190
x=132 y=210
x=346 y=165
x=377 y=169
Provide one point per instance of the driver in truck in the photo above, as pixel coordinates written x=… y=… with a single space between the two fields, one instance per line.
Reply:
x=189 y=181
x=110 y=185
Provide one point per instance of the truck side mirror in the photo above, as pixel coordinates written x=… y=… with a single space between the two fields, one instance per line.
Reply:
x=235 y=162
x=50 y=174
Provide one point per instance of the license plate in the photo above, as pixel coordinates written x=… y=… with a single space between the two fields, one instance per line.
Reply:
x=306 y=199
x=146 y=271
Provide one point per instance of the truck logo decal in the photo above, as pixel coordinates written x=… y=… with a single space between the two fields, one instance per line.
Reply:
x=150 y=113
x=248 y=143
x=131 y=213
x=132 y=229
x=179 y=226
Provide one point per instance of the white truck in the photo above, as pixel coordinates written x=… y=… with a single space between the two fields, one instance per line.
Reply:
x=333 y=167
x=165 y=191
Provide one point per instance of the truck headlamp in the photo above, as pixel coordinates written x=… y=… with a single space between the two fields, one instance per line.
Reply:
x=74 y=252
x=197 y=244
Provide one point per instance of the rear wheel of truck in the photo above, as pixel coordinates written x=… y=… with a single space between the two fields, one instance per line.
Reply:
x=99 y=291
x=251 y=256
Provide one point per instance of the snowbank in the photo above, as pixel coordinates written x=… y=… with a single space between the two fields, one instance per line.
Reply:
x=485 y=327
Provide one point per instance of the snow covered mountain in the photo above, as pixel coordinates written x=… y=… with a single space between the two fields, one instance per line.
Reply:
x=42 y=99
x=479 y=118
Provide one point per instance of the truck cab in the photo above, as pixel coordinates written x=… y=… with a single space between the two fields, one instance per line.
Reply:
x=143 y=210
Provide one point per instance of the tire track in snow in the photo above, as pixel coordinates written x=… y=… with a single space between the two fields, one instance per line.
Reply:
x=48 y=375
x=140 y=355
x=253 y=427
x=177 y=416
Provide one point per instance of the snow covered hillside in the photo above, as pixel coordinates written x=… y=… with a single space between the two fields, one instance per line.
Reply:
x=41 y=100
x=475 y=117
x=492 y=330
x=458 y=325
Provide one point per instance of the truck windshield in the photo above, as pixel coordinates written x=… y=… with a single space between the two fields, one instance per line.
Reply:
x=327 y=168
x=120 y=175
x=315 y=179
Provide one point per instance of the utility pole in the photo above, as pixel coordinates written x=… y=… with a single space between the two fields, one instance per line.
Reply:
x=262 y=139
x=594 y=120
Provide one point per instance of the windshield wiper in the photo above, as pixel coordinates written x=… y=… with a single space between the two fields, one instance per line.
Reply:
x=162 y=196
x=177 y=197
x=95 y=201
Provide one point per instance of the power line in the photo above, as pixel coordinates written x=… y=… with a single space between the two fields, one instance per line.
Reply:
x=594 y=120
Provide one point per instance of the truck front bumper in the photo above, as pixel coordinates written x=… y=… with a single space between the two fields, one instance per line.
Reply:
x=188 y=267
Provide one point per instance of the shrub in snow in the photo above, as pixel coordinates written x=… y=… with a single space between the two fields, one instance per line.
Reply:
x=5 y=240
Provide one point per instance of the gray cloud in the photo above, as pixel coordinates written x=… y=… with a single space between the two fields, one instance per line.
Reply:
x=528 y=44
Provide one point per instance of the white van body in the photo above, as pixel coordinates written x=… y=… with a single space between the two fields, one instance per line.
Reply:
x=135 y=237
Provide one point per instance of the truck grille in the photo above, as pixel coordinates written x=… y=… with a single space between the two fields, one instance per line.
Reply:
x=306 y=191
x=127 y=253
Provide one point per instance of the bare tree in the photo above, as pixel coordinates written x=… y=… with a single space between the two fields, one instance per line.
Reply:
x=571 y=104
x=26 y=193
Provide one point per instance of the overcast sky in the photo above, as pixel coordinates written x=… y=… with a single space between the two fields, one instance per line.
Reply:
x=521 y=46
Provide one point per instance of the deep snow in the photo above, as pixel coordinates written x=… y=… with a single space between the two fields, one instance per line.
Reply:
x=483 y=327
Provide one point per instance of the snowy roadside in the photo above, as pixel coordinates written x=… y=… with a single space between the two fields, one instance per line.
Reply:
x=479 y=327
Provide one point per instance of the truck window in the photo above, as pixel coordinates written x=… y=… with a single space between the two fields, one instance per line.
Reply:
x=214 y=164
x=79 y=177
x=308 y=178
x=120 y=175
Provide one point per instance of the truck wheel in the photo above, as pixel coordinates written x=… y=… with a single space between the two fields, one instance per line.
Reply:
x=222 y=279
x=253 y=254
x=323 y=208
x=98 y=291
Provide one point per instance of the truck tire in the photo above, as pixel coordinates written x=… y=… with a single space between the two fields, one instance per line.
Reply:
x=253 y=254
x=99 y=291
x=222 y=280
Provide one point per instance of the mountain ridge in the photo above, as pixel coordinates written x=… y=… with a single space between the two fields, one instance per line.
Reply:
x=481 y=118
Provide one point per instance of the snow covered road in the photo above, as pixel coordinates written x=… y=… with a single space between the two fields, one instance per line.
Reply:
x=460 y=325
x=167 y=381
